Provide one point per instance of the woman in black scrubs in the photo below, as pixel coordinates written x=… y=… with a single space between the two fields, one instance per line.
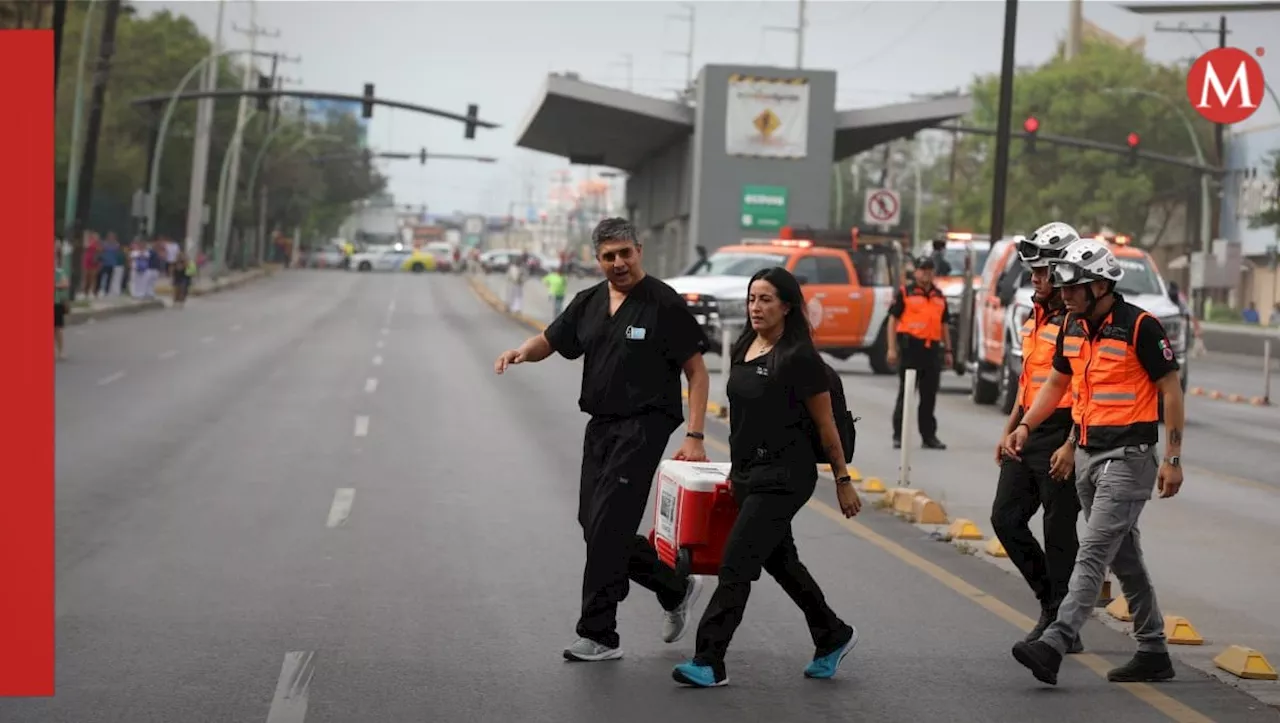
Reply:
x=777 y=384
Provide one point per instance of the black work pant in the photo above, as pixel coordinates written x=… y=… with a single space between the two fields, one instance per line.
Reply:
x=1024 y=487
x=928 y=366
x=761 y=538
x=619 y=460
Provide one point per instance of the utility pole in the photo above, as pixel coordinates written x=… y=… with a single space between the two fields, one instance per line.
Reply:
x=1075 y=29
x=59 y=19
x=272 y=121
x=688 y=52
x=250 y=81
x=798 y=29
x=84 y=198
x=1003 y=120
x=628 y=60
x=200 y=148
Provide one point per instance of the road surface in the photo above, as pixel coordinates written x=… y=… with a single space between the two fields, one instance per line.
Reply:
x=312 y=500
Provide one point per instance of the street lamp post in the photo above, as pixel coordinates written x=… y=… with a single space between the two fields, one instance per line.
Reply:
x=223 y=211
x=77 y=122
x=163 y=132
x=257 y=165
x=1206 y=234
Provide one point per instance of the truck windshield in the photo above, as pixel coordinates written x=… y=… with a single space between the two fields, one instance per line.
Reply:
x=739 y=264
x=1139 y=278
x=955 y=257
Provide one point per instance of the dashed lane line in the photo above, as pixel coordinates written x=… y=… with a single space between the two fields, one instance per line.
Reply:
x=169 y=354
x=110 y=378
x=380 y=344
x=206 y=340
x=384 y=331
x=371 y=385
x=289 y=705
x=340 y=510
x=377 y=361
x=362 y=426
x=236 y=327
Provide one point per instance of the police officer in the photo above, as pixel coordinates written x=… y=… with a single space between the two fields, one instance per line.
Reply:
x=921 y=313
x=1118 y=363
x=1044 y=475
x=635 y=335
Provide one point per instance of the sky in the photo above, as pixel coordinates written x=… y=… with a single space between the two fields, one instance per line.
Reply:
x=498 y=53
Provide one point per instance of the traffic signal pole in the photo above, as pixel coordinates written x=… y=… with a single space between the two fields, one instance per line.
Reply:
x=1003 y=120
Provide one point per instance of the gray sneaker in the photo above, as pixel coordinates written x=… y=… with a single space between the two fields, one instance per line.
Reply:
x=675 y=623
x=589 y=651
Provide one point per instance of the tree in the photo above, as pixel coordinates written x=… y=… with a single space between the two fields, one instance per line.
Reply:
x=1084 y=98
x=1271 y=215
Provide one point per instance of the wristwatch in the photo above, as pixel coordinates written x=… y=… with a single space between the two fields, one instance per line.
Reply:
x=694 y=435
x=1174 y=461
x=845 y=480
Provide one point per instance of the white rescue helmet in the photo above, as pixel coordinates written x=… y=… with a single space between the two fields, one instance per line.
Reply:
x=1084 y=261
x=1046 y=243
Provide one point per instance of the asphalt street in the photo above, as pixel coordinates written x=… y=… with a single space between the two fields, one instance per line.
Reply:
x=312 y=500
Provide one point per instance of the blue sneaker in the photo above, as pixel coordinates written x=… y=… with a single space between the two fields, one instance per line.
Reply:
x=827 y=665
x=698 y=676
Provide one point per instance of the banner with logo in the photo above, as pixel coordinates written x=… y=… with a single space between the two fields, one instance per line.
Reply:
x=767 y=117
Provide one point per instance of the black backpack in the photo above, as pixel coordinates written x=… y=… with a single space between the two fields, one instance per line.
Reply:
x=845 y=421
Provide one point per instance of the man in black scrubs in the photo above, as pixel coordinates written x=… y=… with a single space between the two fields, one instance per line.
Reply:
x=636 y=335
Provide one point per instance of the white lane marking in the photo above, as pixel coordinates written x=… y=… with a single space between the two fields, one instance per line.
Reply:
x=392 y=306
x=110 y=378
x=206 y=340
x=362 y=426
x=343 y=498
x=377 y=361
x=290 y=702
x=169 y=354
x=371 y=385
x=235 y=327
x=380 y=344
x=385 y=331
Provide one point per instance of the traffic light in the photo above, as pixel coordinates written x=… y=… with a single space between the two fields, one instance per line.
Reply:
x=367 y=109
x=264 y=101
x=422 y=157
x=1030 y=126
x=473 y=114
x=1133 y=140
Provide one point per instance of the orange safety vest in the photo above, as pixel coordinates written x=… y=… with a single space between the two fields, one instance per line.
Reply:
x=1039 y=344
x=922 y=311
x=1115 y=404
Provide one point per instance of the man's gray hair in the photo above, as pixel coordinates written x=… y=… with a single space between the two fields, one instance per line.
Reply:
x=613 y=229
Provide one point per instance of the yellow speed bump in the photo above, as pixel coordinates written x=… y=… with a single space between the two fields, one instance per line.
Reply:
x=963 y=529
x=925 y=511
x=1178 y=631
x=904 y=499
x=995 y=549
x=1119 y=609
x=1245 y=662
x=873 y=484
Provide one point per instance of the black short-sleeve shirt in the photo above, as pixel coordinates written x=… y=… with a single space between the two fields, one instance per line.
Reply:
x=767 y=413
x=1151 y=346
x=631 y=361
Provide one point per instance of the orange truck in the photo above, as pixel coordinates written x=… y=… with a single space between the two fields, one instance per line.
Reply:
x=848 y=278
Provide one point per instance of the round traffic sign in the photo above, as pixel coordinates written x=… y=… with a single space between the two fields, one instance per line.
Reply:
x=882 y=206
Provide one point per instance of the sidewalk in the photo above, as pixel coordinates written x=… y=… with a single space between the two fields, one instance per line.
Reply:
x=101 y=308
x=1207 y=549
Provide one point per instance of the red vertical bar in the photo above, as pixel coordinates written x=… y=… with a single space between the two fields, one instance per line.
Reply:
x=26 y=365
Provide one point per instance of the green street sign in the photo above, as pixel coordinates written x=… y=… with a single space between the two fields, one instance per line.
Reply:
x=764 y=208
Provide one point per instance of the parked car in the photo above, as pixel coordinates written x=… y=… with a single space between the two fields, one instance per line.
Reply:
x=394 y=259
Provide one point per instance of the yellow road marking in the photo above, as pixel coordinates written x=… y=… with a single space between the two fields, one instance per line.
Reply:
x=1173 y=709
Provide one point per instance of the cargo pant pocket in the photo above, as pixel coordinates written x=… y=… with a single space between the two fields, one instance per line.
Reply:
x=1128 y=477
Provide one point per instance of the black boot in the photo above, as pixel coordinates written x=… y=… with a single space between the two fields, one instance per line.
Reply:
x=1143 y=668
x=934 y=443
x=1042 y=660
x=897 y=443
x=1047 y=616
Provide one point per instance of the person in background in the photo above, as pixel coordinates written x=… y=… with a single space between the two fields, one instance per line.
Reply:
x=1274 y=319
x=517 y=270
x=556 y=287
x=778 y=388
x=61 y=287
x=111 y=257
x=90 y=262
x=156 y=265
x=1250 y=314
x=137 y=269
x=920 y=316
x=184 y=272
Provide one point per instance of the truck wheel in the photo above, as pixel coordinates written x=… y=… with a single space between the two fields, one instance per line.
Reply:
x=1008 y=388
x=879 y=352
x=365 y=266
x=982 y=391
x=684 y=561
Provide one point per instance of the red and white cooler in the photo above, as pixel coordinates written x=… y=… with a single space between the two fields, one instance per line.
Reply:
x=693 y=513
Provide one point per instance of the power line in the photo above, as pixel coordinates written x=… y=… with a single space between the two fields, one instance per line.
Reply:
x=798 y=29
x=905 y=33
x=687 y=53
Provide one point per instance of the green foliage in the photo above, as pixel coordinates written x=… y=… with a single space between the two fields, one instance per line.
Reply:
x=152 y=55
x=1270 y=217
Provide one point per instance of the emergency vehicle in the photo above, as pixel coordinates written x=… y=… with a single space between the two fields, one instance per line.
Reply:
x=1005 y=305
x=961 y=249
x=848 y=278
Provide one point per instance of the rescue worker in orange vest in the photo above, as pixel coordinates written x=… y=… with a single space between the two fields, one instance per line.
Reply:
x=922 y=317
x=1044 y=475
x=1118 y=363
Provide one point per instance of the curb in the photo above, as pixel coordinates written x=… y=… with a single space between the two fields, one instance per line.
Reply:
x=921 y=506
x=76 y=318
x=1233 y=398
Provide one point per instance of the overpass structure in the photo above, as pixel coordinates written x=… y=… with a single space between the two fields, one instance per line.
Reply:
x=752 y=152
